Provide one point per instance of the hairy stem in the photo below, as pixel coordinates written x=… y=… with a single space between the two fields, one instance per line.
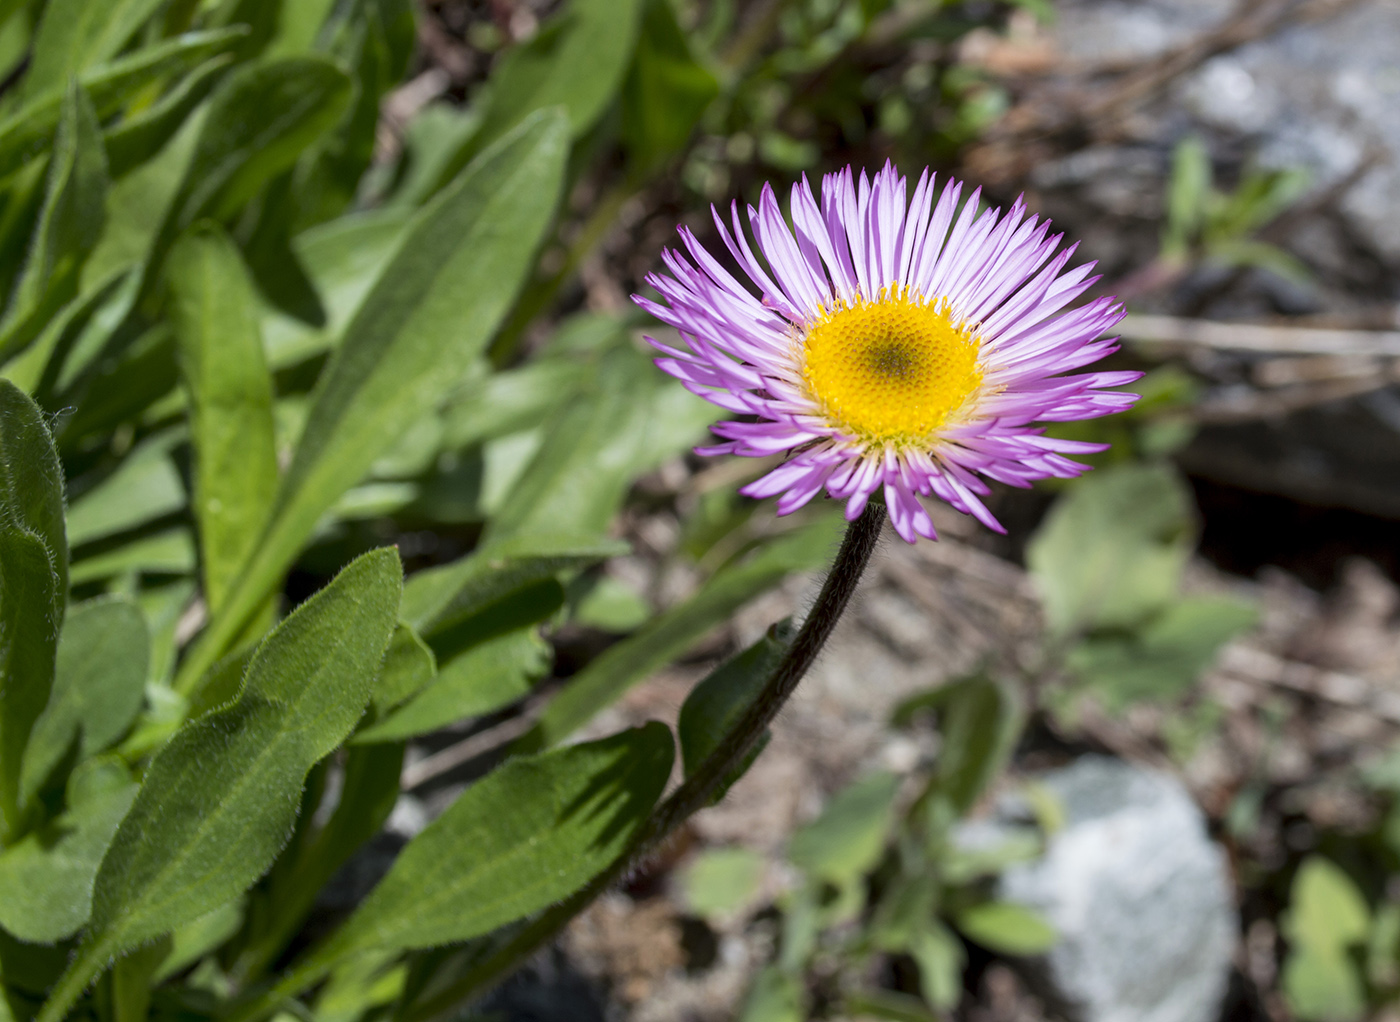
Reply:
x=700 y=788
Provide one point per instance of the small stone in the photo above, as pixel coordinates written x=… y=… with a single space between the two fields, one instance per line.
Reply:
x=1139 y=896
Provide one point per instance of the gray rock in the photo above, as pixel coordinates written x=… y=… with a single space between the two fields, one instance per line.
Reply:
x=1138 y=894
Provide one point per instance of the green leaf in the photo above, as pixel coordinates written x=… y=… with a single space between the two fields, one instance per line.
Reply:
x=69 y=225
x=409 y=665
x=34 y=370
x=259 y=120
x=1326 y=909
x=436 y=304
x=1323 y=987
x=145 y=487
x=342 y=258
x=26 y=133
x=33 y=584
x=220 y=798
x=31 y=482
x=889 y=1005
x=99 y=684
x=199 y=937
x=46 y=878
x=980 y=720
x=721 y=698
x=137 y=206
x=1007 y=928
x=1111 y=550
x=666 y=92
x=215 y=317
x=849 y=836
x=166 y=553
x=76 y=35
x=498 y=404
x=297 y=26
x=442 y=596
x=940 y=958
x=622 y=426
x=115 y=390
x=1162 y=660
x=135 y=139
x=611 y=605
x=1187 y=197
x=369 y=790
x=481 y=680
x=538 y=828
x=1327 y=916
x=670 y=634
x=776 y=996
x=721 y=881
x=576 y=61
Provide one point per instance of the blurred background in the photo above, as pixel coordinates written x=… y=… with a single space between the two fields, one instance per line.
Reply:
x=1134 y=760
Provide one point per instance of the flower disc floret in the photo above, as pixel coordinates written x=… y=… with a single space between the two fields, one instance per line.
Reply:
x=893 y=370
x=897 y=343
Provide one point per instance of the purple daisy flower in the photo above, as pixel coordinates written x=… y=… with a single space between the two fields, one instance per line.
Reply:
x=891 y=346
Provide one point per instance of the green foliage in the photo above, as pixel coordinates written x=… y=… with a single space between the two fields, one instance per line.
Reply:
x=538 y=827
x=33 y=563
x=1007 y=927
x=1110 y=552
x=99 y=684
x=849 y=836
x=214 y=314
x=722 y=881
x=1205 y=224
x=717 y=702
x=46 y=878
x=219 y=800
x=1327 y=917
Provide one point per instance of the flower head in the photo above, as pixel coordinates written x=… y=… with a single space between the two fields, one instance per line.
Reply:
x=891 y=346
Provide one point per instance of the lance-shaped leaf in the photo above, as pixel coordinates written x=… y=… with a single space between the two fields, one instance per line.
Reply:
x=31 y=482
x=26 y=133
x=483 y=679
x=134 y=140
x=69 y=225
x=672 y=633
x=436 y=304
x=577 y=61
x=439 y=597
x=99 y=683
x=260 y=120
x=46 y=877
x=717 y=702
x=666 y=92
x=215 y=315
x=33 y=582
x=28 y=635
x=76 y=35
x=220 y=798
x=538 y=829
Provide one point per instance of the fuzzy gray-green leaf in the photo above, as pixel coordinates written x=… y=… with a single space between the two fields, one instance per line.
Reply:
x=220 y=798
x=538 y=828
x=46 y=877
x=99 y=683
x=215 y=315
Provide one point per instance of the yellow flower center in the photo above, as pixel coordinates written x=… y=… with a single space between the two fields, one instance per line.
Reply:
x=892 y=370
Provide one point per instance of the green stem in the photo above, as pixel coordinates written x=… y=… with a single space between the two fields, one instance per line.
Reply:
x=92 y=959
x=700 y=788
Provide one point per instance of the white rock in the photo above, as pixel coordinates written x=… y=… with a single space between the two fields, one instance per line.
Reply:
x=1139 y=895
